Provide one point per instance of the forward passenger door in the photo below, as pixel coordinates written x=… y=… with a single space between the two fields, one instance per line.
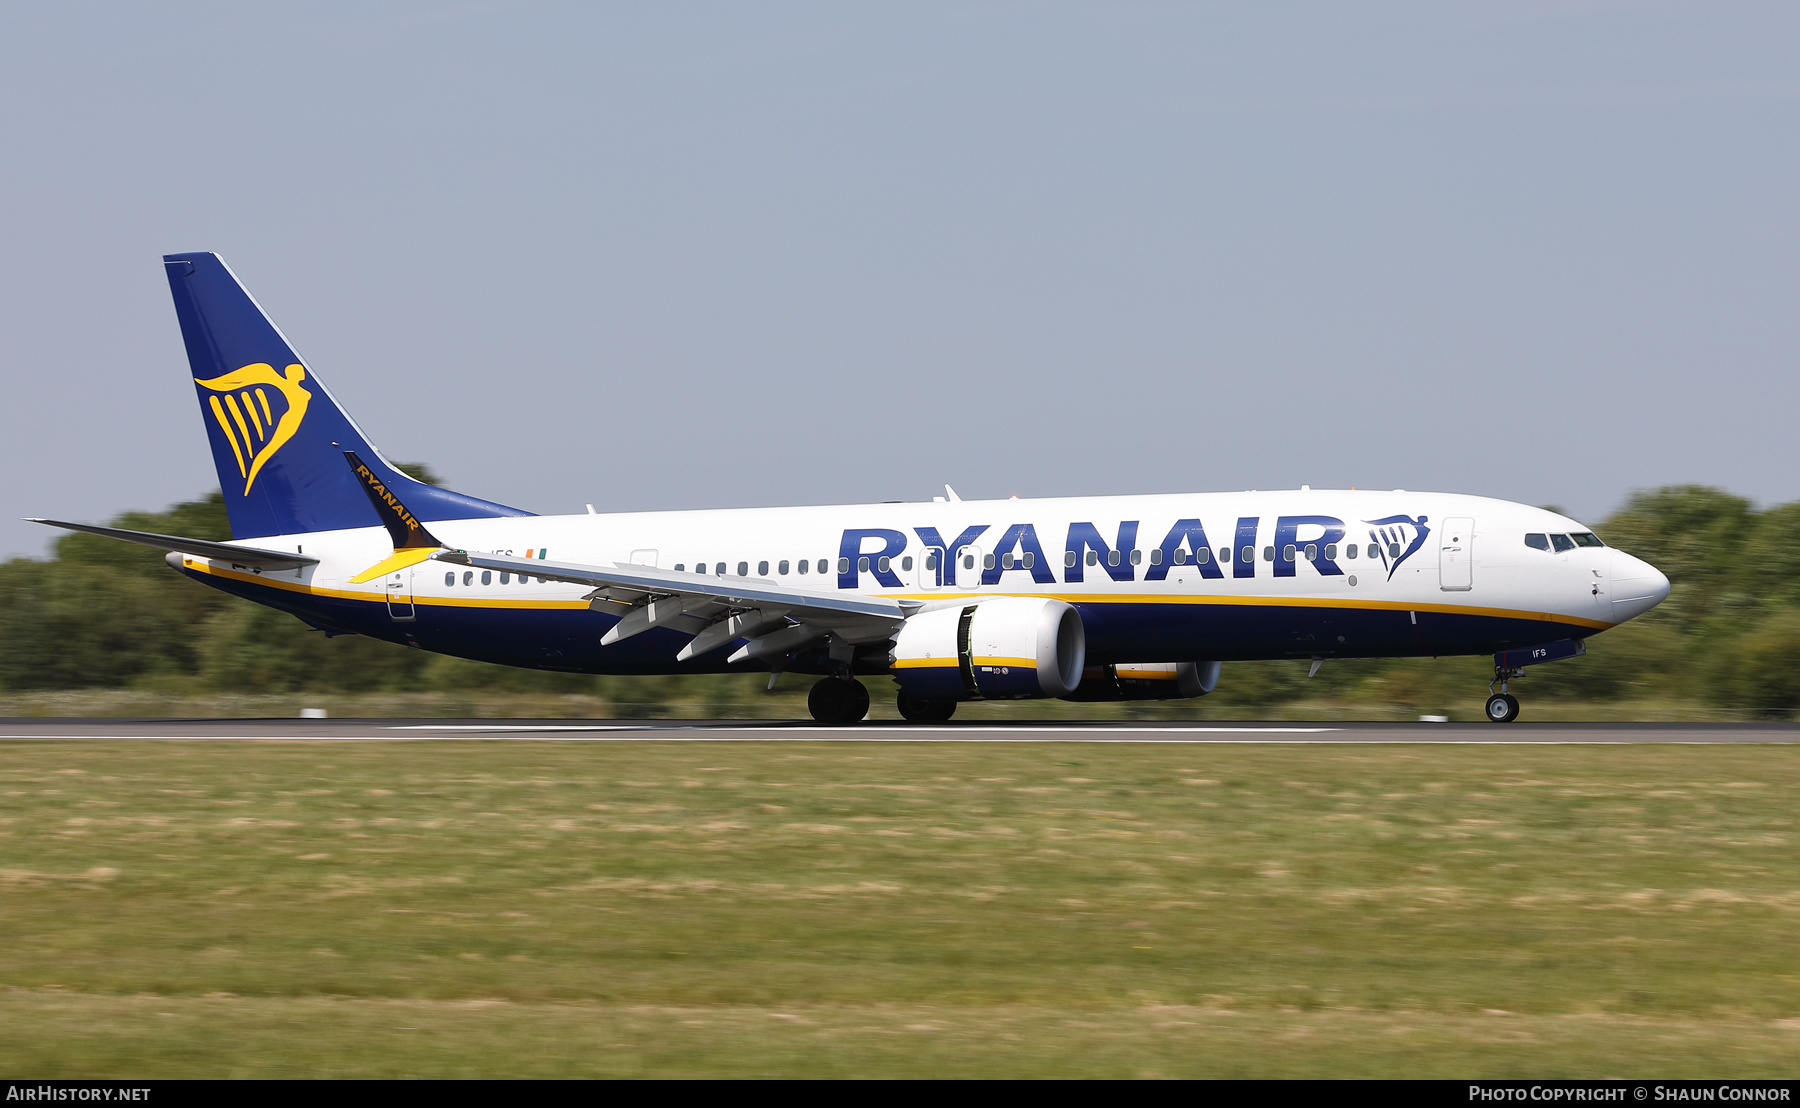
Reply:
x=1456 y=544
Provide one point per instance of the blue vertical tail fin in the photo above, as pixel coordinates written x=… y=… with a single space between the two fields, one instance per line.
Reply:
x=278 y=438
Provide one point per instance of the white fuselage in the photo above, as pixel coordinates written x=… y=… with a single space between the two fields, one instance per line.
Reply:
x=1267 y=555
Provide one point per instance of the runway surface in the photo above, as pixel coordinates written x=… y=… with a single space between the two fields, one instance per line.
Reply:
x=563 y=730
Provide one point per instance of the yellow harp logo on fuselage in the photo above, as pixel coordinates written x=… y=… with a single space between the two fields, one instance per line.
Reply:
x=240 y=402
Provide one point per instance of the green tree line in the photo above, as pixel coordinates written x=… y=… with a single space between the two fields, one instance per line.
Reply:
x=106 y=614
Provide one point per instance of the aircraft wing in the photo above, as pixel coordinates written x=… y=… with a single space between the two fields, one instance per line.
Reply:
x=775 y=618
x=199 y=548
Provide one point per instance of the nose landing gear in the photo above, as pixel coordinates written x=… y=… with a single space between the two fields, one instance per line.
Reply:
x=1502 y=706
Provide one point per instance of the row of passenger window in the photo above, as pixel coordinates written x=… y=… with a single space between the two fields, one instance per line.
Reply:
x=487 y=578
x=1028 y=560
x=1179 y=557
x=782 y=567
x=1559 y=543
x=1536 y=541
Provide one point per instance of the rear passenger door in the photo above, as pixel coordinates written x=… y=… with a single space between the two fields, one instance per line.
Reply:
x=399 y=590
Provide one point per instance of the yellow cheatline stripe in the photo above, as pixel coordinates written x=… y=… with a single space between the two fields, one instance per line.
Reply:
x=219 y=414
x=1023 y=663
x=1274 y=602
x=927 y=663
x=263 y=397
x=199 y=566
x=237 y=417
x=1143 y=674
x=399 y=560
x=255 y=420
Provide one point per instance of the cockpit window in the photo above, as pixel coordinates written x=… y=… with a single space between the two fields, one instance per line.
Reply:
x=1562 y=543
x=1587 y=538
x=1538 y=542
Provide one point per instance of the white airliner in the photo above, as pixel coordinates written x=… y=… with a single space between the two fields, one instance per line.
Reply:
x=1087 y=598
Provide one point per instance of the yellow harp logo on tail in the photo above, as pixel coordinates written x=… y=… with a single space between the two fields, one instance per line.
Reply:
x=254 y=427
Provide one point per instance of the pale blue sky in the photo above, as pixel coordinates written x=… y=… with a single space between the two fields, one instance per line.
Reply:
x=702 y=255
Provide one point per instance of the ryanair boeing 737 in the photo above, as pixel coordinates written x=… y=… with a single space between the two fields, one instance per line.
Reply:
x=1085 y=598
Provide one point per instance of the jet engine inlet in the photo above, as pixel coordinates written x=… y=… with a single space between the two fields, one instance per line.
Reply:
x=1007 y=648
x=1147 y=681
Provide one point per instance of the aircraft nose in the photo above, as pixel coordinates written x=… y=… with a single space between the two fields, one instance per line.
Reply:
x=1637 y=586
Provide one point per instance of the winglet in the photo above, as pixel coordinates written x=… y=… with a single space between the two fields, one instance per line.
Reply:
x=412 y=542
x=406 y=531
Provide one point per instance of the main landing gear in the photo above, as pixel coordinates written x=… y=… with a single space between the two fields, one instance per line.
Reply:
x=924 y=711
x=838 y=700
x=1502 y=706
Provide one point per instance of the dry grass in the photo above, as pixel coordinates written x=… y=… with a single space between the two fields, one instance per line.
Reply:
x=521 y=908
x=238 y=1037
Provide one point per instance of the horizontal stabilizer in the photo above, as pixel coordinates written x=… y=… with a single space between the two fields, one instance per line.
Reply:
x=200 y=548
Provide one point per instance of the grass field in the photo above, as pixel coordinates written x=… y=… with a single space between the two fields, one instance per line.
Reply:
x=658 y=909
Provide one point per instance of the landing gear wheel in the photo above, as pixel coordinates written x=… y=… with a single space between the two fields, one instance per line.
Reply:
x=836 y=701
x=1502 y=708
x=919 y=710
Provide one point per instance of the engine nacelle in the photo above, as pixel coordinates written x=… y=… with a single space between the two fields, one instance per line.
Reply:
x=1007 y=648
x=1147 y=681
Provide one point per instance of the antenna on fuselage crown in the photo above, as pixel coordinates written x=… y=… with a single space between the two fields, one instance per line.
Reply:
x=951 y=493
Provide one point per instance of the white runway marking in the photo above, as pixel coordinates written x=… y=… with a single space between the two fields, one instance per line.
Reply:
x=908 y=729
x=526 y=727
